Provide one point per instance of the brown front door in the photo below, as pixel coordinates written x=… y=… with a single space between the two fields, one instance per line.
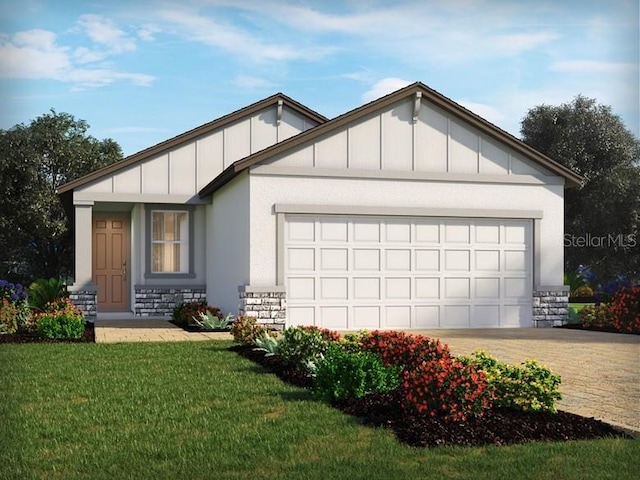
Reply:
x=111 y=261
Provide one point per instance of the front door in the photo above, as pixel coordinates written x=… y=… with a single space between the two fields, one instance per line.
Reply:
x=111 y=261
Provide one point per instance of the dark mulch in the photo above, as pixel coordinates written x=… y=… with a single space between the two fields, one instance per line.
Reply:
x=89 y=336
x=195 y=328
x=591 y=328
x=496 y=427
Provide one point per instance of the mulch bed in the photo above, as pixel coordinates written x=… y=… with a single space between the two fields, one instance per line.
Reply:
x=607 y=329
x=497 y=426
x=89 y=336
x=196 y=328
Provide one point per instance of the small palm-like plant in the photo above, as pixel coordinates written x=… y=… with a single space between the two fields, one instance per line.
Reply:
x=267 y=343
x=207 y=321
x=44 y=291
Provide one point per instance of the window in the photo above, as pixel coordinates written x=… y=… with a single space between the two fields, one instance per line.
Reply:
x=169 y=243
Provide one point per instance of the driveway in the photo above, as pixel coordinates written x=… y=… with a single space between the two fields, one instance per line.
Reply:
x=600 y=371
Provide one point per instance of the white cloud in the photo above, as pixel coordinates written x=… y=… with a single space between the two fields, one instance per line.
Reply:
x=593 y=67
x=35 y=54
x=488 y=112
x=102 y=31
x=521 y=42
x=250 y=82
x=384 y=87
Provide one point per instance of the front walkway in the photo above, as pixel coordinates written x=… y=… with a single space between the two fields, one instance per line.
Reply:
x=600 y=371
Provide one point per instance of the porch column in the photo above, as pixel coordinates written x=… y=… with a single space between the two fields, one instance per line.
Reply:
x=83 y=293
x=83 y=224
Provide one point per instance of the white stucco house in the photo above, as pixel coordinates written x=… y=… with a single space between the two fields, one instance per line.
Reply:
x=408 y=212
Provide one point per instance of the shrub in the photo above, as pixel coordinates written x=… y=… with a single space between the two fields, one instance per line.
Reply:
x=267 y=343
x=407 y=350
x=44 y=291
x=245 y=330
x=596 y=316
x=583 y=291
x=14 y=310
x=529 y=387
x=60 y=320
x=342 y=374
x=184 y=313
x=625 y=309
x=447 y=388
x=207 y=321
x=353 y=342
x=302 y=347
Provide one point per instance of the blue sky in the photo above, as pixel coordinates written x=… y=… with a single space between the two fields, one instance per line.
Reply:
x=143 y=71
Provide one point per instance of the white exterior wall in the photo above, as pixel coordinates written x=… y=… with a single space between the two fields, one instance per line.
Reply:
x=227 y=264
x=391 y=140
x=269 y=190
x=184 y=170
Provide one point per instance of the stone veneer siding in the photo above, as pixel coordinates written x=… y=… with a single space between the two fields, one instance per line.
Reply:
x=267 y=304
x=159 y=301
x=86 y=299
x=550 y=306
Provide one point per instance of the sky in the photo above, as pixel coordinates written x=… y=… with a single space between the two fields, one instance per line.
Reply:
x=142 y=71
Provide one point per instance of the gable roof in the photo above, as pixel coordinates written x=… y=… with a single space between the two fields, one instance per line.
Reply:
x=436 y=98
x=190 y=135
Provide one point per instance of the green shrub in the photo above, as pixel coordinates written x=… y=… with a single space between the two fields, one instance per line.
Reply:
x=184 y=313
x=44 y=291
x=596 y=316
x=60 y=320
x=353 y=342
x=302 y=347
x=341 y=374
x=529 y=387
x=625 y=308
x=245 y=330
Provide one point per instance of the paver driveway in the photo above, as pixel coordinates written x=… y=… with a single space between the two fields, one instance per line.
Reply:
x=600 y=371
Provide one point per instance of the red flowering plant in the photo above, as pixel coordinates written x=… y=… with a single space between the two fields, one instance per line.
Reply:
x=625 y=308
x=446 y=388
x=60 y=319
x=184 y=313
x=400 y=348
x=329 y=335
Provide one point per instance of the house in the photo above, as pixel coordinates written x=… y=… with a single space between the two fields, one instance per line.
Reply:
x=408 y=212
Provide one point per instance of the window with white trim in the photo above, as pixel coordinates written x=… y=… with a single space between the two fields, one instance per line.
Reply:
x=170 y=241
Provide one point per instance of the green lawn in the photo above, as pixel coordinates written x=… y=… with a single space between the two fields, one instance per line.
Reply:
x=195 y=410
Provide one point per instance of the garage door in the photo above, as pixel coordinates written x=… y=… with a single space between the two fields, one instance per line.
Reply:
x=396 y=272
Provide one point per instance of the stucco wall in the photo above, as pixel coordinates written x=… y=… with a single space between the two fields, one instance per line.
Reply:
x=228 y=247
x=268 y=190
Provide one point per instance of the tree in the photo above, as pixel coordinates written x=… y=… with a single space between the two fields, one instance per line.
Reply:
x=602 y=218
x=35 y=160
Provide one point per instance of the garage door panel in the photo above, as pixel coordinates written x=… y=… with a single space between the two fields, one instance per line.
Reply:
x=333 y=317
x=457 y=288
x=366 y=317
x=427 y=316
x=366 y=259
x=380 y=272
x=334 y=259
x=367 y=288
x=457 y=316
x=398 y=316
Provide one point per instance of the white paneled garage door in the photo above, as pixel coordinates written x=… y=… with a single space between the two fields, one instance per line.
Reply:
x=396 y=272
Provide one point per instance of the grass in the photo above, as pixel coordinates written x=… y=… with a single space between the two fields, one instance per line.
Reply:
x=197 y=411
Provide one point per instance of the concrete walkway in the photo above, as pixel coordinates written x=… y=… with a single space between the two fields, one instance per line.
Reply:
x=600 y=371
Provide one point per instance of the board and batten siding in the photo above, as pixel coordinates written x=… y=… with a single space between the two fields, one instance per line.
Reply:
x=185 y=169
x=391 y=139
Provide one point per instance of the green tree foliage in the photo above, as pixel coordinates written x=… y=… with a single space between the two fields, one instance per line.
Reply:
x=35 y=160
x=594 y=142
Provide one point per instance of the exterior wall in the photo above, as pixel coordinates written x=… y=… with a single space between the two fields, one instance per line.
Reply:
x=228 y=246
x=157 y=301
x=269 y=190
x=550 y=306
x=184 y=170
x=85 y=298
x=392 y=140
